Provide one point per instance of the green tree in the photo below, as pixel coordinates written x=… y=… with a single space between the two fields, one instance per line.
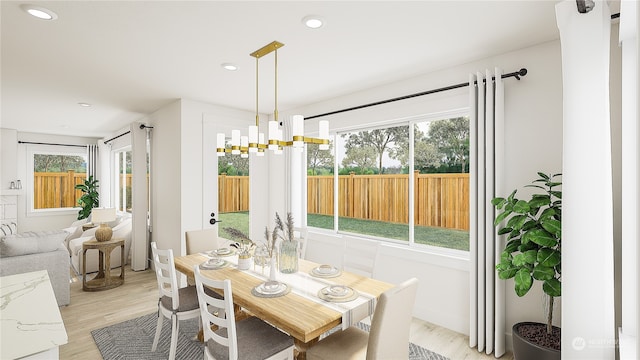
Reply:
x=380 y=140
x=425 y=154
x=360 y=159
x=319 y=159
x=58 y=163
x=233 y=165
x=451 y=138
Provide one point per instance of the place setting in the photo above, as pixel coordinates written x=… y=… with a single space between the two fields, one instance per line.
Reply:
x=224 y=251
x=214 y=264
x=325 y=271
x=337 y=293
x=269 y=289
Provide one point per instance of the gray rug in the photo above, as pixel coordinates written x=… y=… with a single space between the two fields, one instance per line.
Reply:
x=132 y=340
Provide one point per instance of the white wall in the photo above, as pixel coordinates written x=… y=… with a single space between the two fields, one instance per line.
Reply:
x=533 y=132
x=177 y=158
x=8 y=158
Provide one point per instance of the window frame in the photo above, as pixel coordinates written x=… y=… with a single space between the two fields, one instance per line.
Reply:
x=37 y=149
x=115 y=174
x=410 y=122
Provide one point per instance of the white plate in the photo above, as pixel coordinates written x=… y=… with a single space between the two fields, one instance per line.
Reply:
x=213 y=264
x=271 y=287
x=336 y=291
x=223 y=251
x=324 y=270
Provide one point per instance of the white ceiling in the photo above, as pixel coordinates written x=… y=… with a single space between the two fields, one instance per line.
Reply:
x=130 y=58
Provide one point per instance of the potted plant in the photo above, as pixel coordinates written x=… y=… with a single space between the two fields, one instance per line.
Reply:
x=244 y=245
x=89 y=198
x=533 y=252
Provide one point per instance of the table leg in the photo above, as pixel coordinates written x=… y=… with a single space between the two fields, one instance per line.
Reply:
x=100 y=274
x=301 y=348
x=122 y=262
x=84 y=268
x=107 y=268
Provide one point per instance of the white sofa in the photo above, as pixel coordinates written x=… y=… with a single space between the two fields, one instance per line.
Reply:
x=39 y=250
x=120 y=230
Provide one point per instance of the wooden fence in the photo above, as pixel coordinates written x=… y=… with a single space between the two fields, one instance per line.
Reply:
x=233 y=193
x=441 y=200
x=56 y=189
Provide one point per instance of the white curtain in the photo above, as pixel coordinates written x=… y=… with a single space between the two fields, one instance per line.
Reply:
x=630 y=179
x=487 y=310
x=588 y=319
x=93 y=154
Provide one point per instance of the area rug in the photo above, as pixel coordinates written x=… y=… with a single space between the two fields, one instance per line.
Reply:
x=132 y=340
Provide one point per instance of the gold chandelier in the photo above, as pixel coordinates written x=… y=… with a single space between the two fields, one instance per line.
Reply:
x=255 y=141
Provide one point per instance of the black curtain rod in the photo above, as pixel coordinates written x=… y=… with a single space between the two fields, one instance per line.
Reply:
x=113 y=138
x=42 y=143
x=516 y=74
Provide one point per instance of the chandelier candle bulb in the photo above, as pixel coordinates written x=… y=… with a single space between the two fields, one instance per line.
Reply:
x=273 y=135
x=253 y=139
x=262 y=145
x=297 y=125
x=244 y=144
x=235 y=142
x=323 y=129
x=221 y=144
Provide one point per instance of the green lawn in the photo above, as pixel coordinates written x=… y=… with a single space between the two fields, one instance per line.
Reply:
x=448 y=238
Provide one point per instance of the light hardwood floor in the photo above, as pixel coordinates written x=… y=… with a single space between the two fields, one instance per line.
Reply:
x=139 y=296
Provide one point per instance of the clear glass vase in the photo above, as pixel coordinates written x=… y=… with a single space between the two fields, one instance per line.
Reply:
x=288 y=262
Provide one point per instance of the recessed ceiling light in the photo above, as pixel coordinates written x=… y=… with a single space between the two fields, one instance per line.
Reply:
x=229 y=66
x=83 y=104
x=39 y=12
x=313 y=21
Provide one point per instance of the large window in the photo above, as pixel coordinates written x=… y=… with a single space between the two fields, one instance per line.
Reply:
x=395 y=184
x=54 y=172
x=122 y=162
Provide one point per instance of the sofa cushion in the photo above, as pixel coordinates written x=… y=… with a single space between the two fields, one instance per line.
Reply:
x=31 y=242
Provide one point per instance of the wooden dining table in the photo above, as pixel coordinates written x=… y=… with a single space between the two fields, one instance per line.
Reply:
x=303 y=318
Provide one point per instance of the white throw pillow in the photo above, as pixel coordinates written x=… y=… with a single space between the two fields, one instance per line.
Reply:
x=31 y=242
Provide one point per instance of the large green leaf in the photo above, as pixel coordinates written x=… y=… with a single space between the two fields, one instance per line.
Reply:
x=521 y=207
x=523 y=282
x=517 y=221
x=528 y=257
x=501 y=217
x=540 y=237
x=506 y=272
x=541 y=272
x=504 y=230
x=511 y=246
x=549 y=257
x=498 y=202
x=552 y=287
x=553 y=226
x=539 y=200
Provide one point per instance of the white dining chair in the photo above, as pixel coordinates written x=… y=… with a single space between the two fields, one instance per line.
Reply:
x=247 y=339
x=202 y=240
x=301 y=234
x=360 y=256
x=388 y=337
x=174 y=303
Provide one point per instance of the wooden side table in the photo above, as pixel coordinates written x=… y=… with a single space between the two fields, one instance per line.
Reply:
x=103 y=280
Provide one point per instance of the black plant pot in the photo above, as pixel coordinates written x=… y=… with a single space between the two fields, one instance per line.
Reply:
x=524 y=349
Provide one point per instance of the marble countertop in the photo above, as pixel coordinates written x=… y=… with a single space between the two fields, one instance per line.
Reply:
x=30 y=321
